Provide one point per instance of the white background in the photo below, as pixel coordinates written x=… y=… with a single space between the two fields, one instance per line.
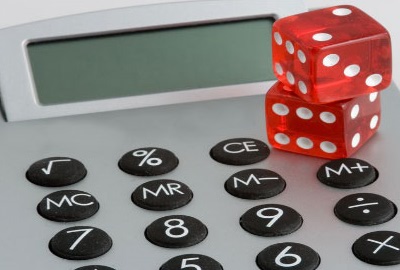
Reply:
x=13 y=12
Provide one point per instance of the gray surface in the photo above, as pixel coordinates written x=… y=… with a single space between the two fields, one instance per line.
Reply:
x=189 y=130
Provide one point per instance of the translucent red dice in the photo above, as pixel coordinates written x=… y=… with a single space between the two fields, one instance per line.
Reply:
x=331 y=54
x=334 y=130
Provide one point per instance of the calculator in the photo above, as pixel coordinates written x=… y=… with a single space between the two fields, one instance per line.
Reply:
x=180 y=175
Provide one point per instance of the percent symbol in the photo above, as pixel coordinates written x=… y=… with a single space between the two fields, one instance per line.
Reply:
x=365 y=211
x=147 y=157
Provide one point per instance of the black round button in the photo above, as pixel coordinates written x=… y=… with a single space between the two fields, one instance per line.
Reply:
x=95 y=267
x=68 y=205
x=378 y=248
x=347 y=173
x=271 y=220
x=162 y=195
x=80 y=243
x=255 y=184
x=194 y=261
x=56 y=172
x=240 y=151
x=292 y=256
x=365 y=209
x=149 y=161
x=176 y=231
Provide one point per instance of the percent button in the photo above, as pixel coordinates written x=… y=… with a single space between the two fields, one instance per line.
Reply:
x=148 y=161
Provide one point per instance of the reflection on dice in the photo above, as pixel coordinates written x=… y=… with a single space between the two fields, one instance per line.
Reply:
x=331 y=54
x=334 y=130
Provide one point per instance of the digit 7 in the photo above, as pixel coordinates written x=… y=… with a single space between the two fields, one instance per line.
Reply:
x=83 y=235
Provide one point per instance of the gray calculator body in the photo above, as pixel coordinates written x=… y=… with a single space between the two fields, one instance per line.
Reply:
x=189 y=130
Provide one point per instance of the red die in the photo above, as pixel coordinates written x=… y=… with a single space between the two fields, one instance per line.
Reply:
x=334 y=130
x=331 y=54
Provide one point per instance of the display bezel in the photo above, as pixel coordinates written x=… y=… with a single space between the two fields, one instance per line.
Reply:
x=18 y=93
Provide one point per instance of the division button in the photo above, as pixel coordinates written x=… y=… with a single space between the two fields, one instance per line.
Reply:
x=149 y=161
x=176 y=231
x=56 y=172
x=68 y=205
x=271 y=220
x=195 y=261
x=365 y=209
x=255 y=184
x=347 y=173
x=240 y=151
x=162 y=195
x=288 y=256
x=378 y=248
x=80 y=243
x=94 y=267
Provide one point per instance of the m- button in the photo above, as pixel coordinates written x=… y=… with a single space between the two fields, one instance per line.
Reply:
x=240 y=151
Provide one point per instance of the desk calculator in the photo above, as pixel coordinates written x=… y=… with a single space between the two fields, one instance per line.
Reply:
x=113 y=167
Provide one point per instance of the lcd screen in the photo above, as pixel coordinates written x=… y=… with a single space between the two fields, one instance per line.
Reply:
x=149 y=62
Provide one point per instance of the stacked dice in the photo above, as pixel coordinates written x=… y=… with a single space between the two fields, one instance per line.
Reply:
x=330 y=64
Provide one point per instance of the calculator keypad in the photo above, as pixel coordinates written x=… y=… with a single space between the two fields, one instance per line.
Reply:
x=176 y=231
x=271 y=220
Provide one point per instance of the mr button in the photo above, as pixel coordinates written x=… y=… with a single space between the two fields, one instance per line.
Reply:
x=347 y=173
x=240 y=151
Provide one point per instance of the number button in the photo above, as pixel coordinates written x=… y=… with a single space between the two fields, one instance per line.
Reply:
x=176 y=231
x=56 y=172
x=192 y=262
x=292 y=256
x=80 y=243
x=68 y=205
x=271 y=220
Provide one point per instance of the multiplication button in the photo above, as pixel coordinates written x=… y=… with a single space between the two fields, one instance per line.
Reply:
x=68 y=205
x=176 y=231
x=378 y=248
x=148 y=161
x=293 y=256
x=255 y=184
x=271 y=220
x=80 y=243
x=240 y=151
x=347 y=173
x=194 y=261
x=365 y=209
x=56 y=172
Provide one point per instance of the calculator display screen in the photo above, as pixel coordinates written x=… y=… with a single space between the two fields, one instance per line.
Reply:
x=152 y=61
